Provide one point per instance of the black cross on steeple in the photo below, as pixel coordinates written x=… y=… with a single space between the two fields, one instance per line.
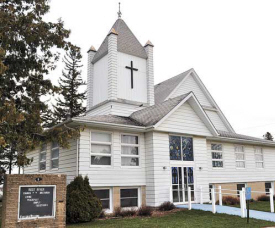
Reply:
x=132 y=73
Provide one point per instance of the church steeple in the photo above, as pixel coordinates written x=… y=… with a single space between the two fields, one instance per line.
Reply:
x=122 y=69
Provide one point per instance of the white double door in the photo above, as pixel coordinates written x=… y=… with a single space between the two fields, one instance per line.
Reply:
x=182 y=178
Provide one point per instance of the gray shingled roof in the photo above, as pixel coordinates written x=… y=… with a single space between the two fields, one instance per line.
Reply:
x=109 y=119
x=126 y=42
x=239 y=136
x=153 y=114
x=163 y=89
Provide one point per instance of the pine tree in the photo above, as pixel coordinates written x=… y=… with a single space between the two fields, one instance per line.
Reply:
x=71 y=103
x=29 y=51
x=268 y=136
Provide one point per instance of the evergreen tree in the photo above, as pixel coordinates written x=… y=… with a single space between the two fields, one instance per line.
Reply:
x=71 y=103
x=28 y=51
x=268 y=136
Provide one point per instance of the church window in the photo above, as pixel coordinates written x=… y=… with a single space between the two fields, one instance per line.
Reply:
x=240 y=156
x=268 y=186
x=259 y=157
x=104 y=196
x=129 y=197
x=181 y=148
x=217 y=158
x=240 y=188
x=101 y=148
x=129 y=150
x=55 y=155
x=42 y=157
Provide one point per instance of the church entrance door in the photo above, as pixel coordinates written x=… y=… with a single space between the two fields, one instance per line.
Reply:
x=182 y=178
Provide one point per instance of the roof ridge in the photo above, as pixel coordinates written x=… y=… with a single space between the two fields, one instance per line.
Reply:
x=175 y=76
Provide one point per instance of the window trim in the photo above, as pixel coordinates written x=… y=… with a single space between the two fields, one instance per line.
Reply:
x=186 y=136
x=239 y=145
x=217 y=151
x=40 y=152
x=139 y=197
x=101 y=143
x=55 y=158
x=109 y=210
x=262 y=154
x=129 y=155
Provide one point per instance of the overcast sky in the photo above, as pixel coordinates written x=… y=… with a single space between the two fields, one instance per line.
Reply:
x=230 y=44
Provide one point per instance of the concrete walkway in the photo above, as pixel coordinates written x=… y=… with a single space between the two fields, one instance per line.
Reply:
x=233 y=211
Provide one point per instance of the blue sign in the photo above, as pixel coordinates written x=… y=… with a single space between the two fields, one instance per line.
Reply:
x=248 y=193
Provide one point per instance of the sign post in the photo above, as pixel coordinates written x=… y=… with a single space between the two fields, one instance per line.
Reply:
x=248 y=198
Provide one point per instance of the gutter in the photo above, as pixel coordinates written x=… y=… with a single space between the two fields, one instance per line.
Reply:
x=242 y=141
x=119 y=126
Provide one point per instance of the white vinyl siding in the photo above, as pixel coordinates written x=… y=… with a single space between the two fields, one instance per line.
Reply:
x=67 y=161
x=217 y=155
x=189 y=84
x=259 y=157
x=114 y=175
x=101 y=149
x=129 y=150
x=240 y=156
x=185 y=120
x=55 y=155
x=216 y=120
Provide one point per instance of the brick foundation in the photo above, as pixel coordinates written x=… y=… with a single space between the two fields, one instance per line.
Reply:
x=10 y=200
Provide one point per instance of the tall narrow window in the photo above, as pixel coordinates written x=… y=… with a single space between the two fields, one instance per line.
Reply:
x=101 y=148
x=181 y=148
x=217 y=160
x=55 y=155
x=42 y=157
x=129 y=150
x=240 y=157
x=259 y=157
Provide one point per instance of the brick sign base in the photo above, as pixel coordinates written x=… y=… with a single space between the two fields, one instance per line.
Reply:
x=11 y=197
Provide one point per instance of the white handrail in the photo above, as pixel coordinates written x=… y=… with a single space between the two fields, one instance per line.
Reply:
x=271 y=193
x=213 y=201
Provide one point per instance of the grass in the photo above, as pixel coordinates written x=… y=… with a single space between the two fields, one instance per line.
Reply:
x=258 y=206
x=190 y=219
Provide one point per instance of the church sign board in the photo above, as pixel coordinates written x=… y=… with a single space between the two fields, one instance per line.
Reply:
x=34 y=200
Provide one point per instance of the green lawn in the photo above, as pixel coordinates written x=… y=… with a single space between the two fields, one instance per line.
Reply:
x=193 y=218
x=258 y=205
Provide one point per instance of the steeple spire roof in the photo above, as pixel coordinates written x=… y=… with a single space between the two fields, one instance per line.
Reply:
x=126 y=42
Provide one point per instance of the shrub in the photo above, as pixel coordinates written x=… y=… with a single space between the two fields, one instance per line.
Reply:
x=229 y=200
x=263 y=198
x=102 y=214
x=128 y=212
x=144 y=211
x=118 y=212
x=82 y=203
x=166 y=206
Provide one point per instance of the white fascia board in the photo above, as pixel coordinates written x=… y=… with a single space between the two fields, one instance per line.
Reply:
x=203 y=87
x=109 y=125
x=246 y=141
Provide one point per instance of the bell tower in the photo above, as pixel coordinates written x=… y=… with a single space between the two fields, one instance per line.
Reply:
x=120 y=73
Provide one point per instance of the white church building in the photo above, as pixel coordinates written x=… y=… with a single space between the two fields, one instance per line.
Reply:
x=144 y=144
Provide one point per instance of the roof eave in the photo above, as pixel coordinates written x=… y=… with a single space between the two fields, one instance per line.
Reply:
x=247 y=141
x=111 y=125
